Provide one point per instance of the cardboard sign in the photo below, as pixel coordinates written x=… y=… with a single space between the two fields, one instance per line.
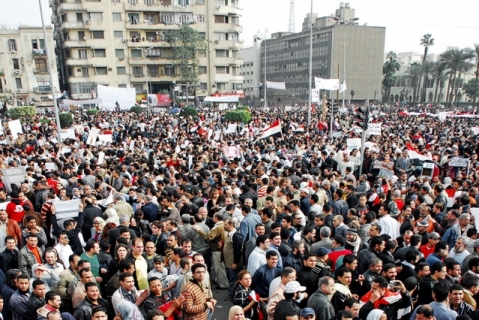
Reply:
x=374 y=129
x=354 y=143
x=68 y=134
x=459 y=162
x=92 y=136
x=14 y=175
x=67 y=209
x=105 y=138
x=231 y=128
x=15 y=128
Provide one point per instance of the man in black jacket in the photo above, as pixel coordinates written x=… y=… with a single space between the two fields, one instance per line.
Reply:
x=438 y=273
x=306 y=277
x=408 y=266
x=89 y=214
x=92 y=299
x=36 y=300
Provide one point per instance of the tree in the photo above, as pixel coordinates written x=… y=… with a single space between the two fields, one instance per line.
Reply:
x=455 y=60
x=389 y=73
x=469 y=88
x=440 y=76
x=188 y=46
x=426 y=42
x=414 y=73
x=427 y=68
x=476 y=51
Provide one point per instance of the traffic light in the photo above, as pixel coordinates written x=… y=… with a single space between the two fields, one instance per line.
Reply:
x=361 y=117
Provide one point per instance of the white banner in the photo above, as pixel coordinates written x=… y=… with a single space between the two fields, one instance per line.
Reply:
x=458 y=162
x=92 y=136
x=101 y=157
x=68 y=133
x=15 y=128
x=67 y=209
x=105 y=138
x=326 y=84
x=374 y=129
x=288 y=108
x=275 y=85
x=126 y=97
x=13 y=175
x=315 y=95
x=232 y=152
x=354 y=143
x=475 y=130
x=231 y=128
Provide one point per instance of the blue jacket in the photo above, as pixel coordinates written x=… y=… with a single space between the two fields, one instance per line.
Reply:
x=451 y=235
x=247 y=226
x=262 y=278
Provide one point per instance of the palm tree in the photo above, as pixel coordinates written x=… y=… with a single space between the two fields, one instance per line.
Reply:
x=454 y=60
x=426 y=41
x=389 y=70
x=476 y=51
x=439 y=74
x=464 y=68
x=414 y=73
x=427 y=68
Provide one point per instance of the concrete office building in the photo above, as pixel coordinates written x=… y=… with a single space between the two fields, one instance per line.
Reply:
x=335 y=38
x=24 y=78
x=121 y=43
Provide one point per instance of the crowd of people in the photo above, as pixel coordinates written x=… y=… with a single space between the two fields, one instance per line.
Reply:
x=296 y=226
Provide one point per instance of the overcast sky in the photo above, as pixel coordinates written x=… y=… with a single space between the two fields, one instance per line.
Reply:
x=452 y=23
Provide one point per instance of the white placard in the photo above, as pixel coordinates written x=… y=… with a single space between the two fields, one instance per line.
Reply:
x=105 y=138
x=66 y=150
x=190 y=161
x=222 y=106
x=315 y=95
x=49 y=165
x=231 y=128
x=67 y=209
x=475 y=130
x=14 y=175
x=288 y=108
x=132 y=145
x=337 y=134
x=458 y=162
x=1 y=127
x=92 y=136
x=68 y=133
x=475 y=214
x=371 y=146
x=326 y=84
x=15 y=128
x=232 y=152
x=354 y=143
x=107 y=201
x=217 y=135
x=374 y=129
x=101 y=157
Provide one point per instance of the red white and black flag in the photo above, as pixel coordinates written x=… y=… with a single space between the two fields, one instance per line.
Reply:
x=274 y=129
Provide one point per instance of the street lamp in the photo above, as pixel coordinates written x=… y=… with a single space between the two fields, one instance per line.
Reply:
x=264 y=85
x=310 y=98
x=352 y=96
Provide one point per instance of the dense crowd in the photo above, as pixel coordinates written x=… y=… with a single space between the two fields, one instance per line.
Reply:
x=296 y=226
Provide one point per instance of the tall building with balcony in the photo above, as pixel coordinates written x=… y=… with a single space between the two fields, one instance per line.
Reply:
x=122 y=43
x=24 y=77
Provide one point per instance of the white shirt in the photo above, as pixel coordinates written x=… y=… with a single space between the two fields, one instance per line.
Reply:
x=64 y=253
x=256 y=259
x=458 y=257
x=389 y=226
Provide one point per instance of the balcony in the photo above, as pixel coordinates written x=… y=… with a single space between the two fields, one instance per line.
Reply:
x=74 y=25
x=40 y=70
x=227 y=10
x=70 y=6
x=155 y=7
x=76 y=62
x=151 y=26
x=235 y=28
x=76 y=44
x=42 y=89
x=39 y=53
x=235 y=44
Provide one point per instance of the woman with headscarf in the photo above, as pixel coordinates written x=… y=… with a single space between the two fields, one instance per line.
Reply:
x=377 y=315
x=112 y=216
x=96 y=230
x=128 y=311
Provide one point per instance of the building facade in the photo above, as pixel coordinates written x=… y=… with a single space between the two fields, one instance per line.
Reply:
x=341 y=49
x=24 y=78
x=122 y=43
x=250 y=70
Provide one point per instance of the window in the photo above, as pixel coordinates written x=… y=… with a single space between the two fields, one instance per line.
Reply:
x=65 y=36
x=68 y=53
x=42 y=43
x=18 y=83
x=138 y=87
x=82 y=87
x=132 y=2
x=170 y=71
x=81 y=35
x=220 y=36
x=200 y=2
x=120 y=70
x=96 y=16
x=16 y=65
x=98 y=35
x=82 y=54
x=222 y=53
x=79 y=17
x=69 y=71
x=222 y=70
x=166 y=3
x=183 y=3
x=202 y=35
x=134 y=18
x=135 y=53
x=12 y=45
x=115 y=1
x=221 y=85
x=185 y=18
x=153 y=71
x=44 y=86
x=221 y=19
x=118 y=34
x=152 y=52
x=119 y=53
x=202 y=69
x=151 y=36
x=34 y=44
x=200 y=18
x=203 y=86
x=116 y=16
x=41 y=65
x=219 y=3
x=137 y=71
x=167 y=18
x=64 y=18
x=99 y=53
x=149 y=2
x=101 y=70
x=151 y=18
x=235 y=53
x=122 y=85
x=84 y=71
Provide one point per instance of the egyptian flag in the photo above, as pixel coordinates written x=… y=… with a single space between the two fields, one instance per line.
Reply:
x=272 y=130
x=389 y=297
x=299 y=129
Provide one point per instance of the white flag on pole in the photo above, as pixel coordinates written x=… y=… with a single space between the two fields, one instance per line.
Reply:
x=326 y=84
x=342 y=87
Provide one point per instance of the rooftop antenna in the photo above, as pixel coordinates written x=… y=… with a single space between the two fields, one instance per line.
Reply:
x=291 y=18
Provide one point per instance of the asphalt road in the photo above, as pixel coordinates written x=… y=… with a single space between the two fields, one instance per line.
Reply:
x=222 y=308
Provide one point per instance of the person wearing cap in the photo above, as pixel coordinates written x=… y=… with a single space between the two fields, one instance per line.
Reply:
x=292 y=292
x=159 y=270
x=474 y=254
x=428 y=248
x=307 y=314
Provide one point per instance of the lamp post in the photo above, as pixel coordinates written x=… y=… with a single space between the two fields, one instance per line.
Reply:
x=310 y=98
x=55 y=105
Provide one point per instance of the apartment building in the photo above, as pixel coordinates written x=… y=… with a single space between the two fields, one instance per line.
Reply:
x=122 y=43
x=24 y=77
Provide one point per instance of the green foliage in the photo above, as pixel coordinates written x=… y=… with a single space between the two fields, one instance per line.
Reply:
x=469 y=88
x=45 y=120
x=243 y=108
x=19 y=112
x=390 y=67
x=92 y=111
x=136 y=109
x=188 y=46
x=188 y=111
x=238 y=116
x=66 y=120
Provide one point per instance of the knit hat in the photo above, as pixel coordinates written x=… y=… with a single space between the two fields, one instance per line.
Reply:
x=353 y=231
x=321 y=252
